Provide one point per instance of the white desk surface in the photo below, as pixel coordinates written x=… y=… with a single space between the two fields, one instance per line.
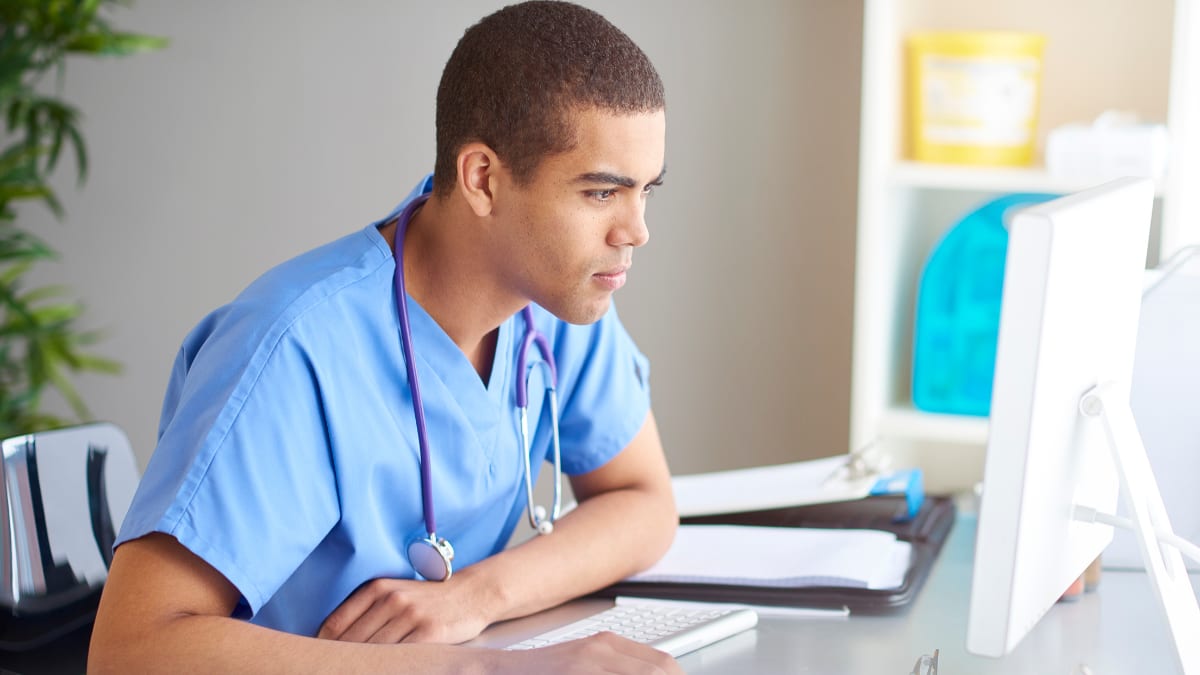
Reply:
x=1115 y=630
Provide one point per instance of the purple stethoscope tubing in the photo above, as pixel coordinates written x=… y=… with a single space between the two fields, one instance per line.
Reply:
x=431 y=566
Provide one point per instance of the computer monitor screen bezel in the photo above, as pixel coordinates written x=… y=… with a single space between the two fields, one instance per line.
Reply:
x=1069 y=317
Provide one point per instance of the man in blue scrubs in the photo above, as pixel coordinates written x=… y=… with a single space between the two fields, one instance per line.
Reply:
x=270 y=530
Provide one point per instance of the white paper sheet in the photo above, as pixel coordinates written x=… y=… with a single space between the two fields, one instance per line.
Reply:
x=783 y=557
x=767 y=487
x=763 y=611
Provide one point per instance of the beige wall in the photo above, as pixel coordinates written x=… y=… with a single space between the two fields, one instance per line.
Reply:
x=271 y=126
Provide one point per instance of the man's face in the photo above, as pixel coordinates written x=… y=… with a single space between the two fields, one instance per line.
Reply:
x=568 y=236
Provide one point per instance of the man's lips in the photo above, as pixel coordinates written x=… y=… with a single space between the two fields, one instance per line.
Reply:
x=613 y=278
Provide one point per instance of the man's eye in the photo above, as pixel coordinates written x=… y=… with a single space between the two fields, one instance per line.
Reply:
x=649 y=189
x=602 y=195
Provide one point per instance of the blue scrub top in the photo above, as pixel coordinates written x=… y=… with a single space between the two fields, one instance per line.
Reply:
x=287 y=456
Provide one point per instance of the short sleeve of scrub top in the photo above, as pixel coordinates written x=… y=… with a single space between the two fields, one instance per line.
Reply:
x=605 y=390
x=287 y=455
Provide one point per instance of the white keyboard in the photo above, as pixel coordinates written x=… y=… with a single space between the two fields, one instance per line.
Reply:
x=674 y=630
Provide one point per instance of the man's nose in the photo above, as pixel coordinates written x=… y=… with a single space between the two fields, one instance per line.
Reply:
x=632 y=230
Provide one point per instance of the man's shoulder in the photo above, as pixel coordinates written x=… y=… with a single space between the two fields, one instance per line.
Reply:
x=346 y=272
x=321 y=272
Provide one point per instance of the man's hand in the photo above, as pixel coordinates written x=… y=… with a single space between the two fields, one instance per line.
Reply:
x=600 y=653
x=402 y=610
x=388 y=611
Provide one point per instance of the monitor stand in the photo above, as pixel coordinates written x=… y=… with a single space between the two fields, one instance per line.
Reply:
x=1164 y=563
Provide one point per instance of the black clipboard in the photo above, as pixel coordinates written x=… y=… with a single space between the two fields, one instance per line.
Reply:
x=926 y=532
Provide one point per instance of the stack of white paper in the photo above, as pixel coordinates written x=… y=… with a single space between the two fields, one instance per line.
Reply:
x=784 y=557
x=757 y=488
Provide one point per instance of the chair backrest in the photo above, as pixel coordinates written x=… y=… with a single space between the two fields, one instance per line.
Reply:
x=63 y=495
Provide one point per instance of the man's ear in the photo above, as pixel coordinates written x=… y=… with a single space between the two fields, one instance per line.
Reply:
x=478 y=172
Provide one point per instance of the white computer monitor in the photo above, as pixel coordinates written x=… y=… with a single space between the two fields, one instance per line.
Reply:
x=1069 y=317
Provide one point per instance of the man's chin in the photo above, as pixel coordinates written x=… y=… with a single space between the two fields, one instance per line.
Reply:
x=582 y=314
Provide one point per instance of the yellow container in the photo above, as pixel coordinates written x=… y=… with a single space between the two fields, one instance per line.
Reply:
x=973 y=96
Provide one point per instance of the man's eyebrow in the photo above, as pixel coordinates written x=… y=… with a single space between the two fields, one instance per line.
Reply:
x=615 y=179
x=605 y=178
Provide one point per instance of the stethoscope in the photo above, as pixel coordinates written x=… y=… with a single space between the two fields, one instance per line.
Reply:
x=432 y=556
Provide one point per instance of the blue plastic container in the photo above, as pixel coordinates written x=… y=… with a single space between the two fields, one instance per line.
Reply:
x=958 y=310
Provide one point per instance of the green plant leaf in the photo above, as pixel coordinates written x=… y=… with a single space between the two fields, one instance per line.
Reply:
x=99 y=364
x=81 y=157
x=41 y=342
x=115 y=44
x=18 y=244
x=42 y=293
x=26 y=191
x=10 y=276
x=49 y=314
x=20 y=157
x=69 y=393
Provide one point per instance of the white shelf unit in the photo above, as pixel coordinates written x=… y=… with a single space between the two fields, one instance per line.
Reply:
x=916 y=175
x=1138 y=55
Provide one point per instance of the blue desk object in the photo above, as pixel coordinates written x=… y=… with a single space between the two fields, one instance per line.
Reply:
x=910 y=483
x=958 y=310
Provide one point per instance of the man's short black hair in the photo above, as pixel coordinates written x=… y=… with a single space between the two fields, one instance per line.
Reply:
x=517 y=76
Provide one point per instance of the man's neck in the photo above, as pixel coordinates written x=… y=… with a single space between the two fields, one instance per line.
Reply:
x=446 y=271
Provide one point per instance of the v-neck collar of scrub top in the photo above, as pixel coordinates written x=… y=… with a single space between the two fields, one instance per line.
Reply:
x=439 y=357
x=441 y=361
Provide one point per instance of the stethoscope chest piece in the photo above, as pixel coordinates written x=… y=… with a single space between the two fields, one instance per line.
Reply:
x=431 y=557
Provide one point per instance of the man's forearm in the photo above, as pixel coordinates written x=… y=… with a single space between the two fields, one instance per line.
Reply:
x=165 y=610
x=605 y=539
x=217 y=644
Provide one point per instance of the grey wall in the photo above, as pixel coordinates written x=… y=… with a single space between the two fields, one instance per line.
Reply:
x=269 y=127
